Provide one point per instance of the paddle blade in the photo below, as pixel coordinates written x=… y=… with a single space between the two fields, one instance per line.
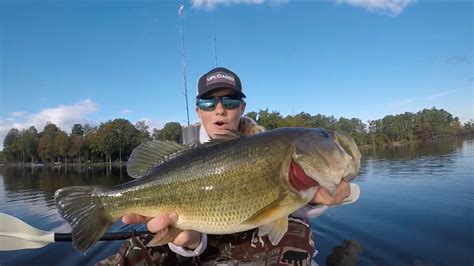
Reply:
x=16 y=234
x=14 y=243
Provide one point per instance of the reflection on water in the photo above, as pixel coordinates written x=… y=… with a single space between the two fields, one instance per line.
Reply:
x=346 y=254
x=414 y=150
x=48 y=179
x=416 y=208
x=28 y=193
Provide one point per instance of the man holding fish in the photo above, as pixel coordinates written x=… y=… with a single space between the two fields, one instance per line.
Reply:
x=252 y=193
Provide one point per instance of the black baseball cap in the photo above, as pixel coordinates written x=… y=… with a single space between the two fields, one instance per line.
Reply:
x=219 y=78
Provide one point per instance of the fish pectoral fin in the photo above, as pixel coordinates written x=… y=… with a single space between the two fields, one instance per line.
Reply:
x=275 y=230
x=266 y=223
x=151 y=153
x=267 y=214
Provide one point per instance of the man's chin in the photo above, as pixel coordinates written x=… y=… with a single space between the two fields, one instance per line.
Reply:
x=218 y=131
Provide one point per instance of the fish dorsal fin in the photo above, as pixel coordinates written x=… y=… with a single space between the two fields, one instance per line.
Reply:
x=151 y=153
x=275 y=230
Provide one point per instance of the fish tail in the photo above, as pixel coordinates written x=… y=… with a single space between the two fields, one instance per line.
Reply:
x=82 y=207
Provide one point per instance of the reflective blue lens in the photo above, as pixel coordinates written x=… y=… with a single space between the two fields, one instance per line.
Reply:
x=210 y=104
x=207 y=104
x=230 y=103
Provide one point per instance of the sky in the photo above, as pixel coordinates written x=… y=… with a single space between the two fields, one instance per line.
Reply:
x=71 y=62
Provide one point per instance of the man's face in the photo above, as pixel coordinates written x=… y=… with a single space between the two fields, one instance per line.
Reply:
x=220 y=119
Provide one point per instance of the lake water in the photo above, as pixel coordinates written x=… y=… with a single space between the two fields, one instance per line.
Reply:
x=416 y=208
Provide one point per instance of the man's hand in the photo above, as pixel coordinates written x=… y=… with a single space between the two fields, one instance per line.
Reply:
x=160 y=226
x=322 y=196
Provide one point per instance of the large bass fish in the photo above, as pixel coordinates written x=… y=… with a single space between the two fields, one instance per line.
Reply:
x=230 y=185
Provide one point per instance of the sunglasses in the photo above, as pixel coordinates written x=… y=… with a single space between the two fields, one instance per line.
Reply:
x=209 y=104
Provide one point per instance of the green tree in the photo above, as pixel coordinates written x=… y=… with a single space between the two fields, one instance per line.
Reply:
x=128 y=137
x=93 y=143
x=355 y=128
x=156 y=134
x=10 y=145
x=468 y=128
x=108 y=142
x=30 y=143
x=408 y=126
x=61 y=145
x=252 y=115
x=50 y=129
x=456 y=126
x=269 y=120
x=376 y=136
x=88 y=128
x=322 y=121
x=422 y=128
x=171 y=131
x=77 y=130
x=390 y=128
x=77 y=146
x=45 y=148
x=437 y=123
x=302 y=120
x=117 y=136
x=143 y=133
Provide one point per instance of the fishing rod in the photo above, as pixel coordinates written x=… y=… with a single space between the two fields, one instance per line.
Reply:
x=16 y=234
x=183 y=55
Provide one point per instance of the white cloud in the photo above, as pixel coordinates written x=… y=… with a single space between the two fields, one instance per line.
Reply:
x=18 y=114
x=126 y=111
x=208 y=4
x=400 y=103
x=386 y=7
x=438 y=95
x=64 y=116
x=423 y=100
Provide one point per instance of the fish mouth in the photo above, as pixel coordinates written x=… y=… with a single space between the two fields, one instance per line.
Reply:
x=298 y=179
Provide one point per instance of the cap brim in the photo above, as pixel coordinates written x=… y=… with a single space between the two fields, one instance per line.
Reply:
x=354 y=196
x=211 y=90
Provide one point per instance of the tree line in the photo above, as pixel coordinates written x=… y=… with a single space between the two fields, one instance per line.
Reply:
x=109 y=142
x=425 y=125
x=114 y=140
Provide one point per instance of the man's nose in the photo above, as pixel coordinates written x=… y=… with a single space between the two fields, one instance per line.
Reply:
x=220 y=108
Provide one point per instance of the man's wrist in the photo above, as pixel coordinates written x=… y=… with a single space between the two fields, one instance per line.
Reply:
x=194 y=243
x=190 y=253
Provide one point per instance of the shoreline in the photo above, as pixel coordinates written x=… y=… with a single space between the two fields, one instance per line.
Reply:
x=63 y=164
x=119 y=164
